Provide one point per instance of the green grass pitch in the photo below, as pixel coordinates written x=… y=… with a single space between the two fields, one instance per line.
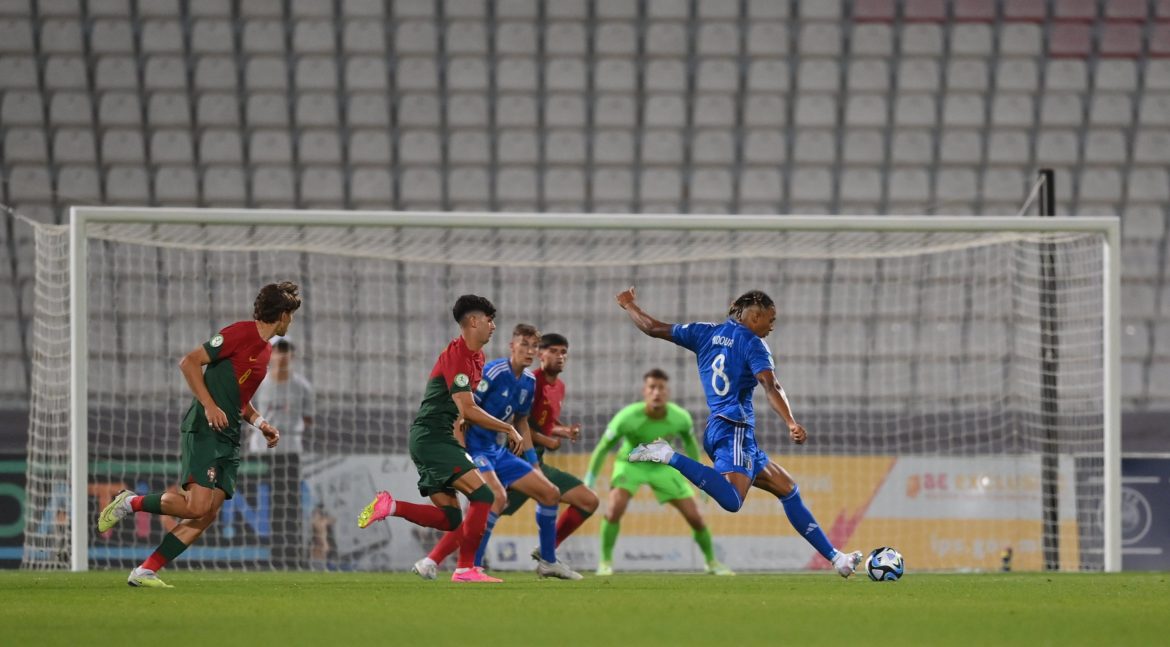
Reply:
x=97 y=608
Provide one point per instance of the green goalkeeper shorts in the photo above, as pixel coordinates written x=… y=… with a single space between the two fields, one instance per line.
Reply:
x=667 y=483
x=560 y=478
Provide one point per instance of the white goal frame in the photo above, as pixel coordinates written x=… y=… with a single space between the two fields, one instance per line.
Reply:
x=81 y=217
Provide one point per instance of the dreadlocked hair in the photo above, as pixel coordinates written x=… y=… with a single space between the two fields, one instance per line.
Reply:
x=747 y=300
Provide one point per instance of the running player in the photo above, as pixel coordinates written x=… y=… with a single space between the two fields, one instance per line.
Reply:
x=733 y=357
x=545 y=419
x=642 y=422
x=443 y=465
x=506 y=392
x=237 y=360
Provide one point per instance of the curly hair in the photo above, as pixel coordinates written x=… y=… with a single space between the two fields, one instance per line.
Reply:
x=747 y=300
x=274 y=300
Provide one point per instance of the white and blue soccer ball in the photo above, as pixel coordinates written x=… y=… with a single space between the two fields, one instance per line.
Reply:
x=885 y=565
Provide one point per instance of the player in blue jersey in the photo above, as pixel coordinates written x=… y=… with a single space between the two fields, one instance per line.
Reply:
x=506 y=392
x=733 y=358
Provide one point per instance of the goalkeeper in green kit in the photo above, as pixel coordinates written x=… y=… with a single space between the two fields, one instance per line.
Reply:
x=643 y=422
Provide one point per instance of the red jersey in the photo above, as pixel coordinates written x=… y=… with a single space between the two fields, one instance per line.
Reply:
x=239 y=362
x=546 y=403
x=458 y=369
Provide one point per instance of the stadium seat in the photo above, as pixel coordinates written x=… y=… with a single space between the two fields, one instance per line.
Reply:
x=168 y=109
x=420 y=147
x=208 y=36
x=1111 y=109
x=363 y=37
x=416 y=74
x=869 y=74
x=365 y=73
x=315 y=73
x=922 y=40
x=812 y=184
x=816 y=75
x=1057 y=147
x=215 y=73
x=815 y=110
x=466 y=38
x=615 y=75
x=322 y=186
x=319 y=146
x=369 y=109
x=765 y=75
x=1100 y=185
x=716 y=109
x=718 y=39
x=567 y=147
x=468 y=147
x=517 y=147
x=967 y=74
x=313 y=36
x=613 y=38
x=664 y=146
x=564 y=185
x=25 y=145
x=270 y=147
x=717 y=76
x=911 y=146
x=812 y=145
x=767 y=39
x=564 y=110
x=569 y=75
x=471 y=74
x=371 y=187
x=612 y=185
x=711 y=146
x=266 y=109
x=766 y=146
x=564 y=38
x=1105 y=146
x=422 y=109
x=128 y=185
x=1012 y=110
x=908 y=185
x=177 y=185
x=24 y=108
x=1008 y=147
x=765 y=110
x=273 y=186
x=665 y=39
x=1154 y=109
x=1150 y=146
x=122 y=146
x=918 y=74
x=263 y=36
x=866 y=110
x=224 y=186
x=513 y=183
x=18 y=72
x=1066 y=74
x=761 y=185
x=961 y=146
x=171 y=146
x=663 y=111
x=613 y=147
x=916 y=110
x=79 y=184
x=1061 y=109
x=1149 y=185
x=819 y=39
x=219 y=146
x=165 y=73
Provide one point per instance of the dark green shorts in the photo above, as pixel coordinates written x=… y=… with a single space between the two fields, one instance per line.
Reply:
x=211 y=460
x=560 y=478
x=439 y=458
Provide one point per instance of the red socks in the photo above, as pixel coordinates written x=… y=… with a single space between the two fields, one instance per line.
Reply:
x=136 y=505
x=473 y=528
x=570 y=520
x=446 y=545
x=423 y=515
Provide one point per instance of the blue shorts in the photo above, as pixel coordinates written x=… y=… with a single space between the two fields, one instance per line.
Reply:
x=508 y=467
x=732 y=447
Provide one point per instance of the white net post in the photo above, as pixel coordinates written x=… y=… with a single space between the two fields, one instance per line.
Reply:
x=47 y=540
x=908 y=346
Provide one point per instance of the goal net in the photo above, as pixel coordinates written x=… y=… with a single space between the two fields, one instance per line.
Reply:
x=954 y=390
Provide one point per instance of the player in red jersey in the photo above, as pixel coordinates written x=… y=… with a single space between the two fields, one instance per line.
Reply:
x=549 y=431
x=237 y=360
x=442 y=462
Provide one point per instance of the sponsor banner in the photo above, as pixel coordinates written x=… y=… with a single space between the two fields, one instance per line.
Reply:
x=981 y=505
x=1145 y=513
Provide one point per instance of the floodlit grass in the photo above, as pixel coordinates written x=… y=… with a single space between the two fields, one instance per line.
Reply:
x=97 y=608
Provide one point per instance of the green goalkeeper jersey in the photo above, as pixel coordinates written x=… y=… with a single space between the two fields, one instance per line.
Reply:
x=633 y=426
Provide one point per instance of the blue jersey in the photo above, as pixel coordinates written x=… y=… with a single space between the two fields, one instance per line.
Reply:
x=503 y=395
x=729 y=357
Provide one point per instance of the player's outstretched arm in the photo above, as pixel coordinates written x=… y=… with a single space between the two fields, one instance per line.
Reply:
x=609 y=439
x=779 y=401
x=471 y=412
x=627 y=300
x=192 y=368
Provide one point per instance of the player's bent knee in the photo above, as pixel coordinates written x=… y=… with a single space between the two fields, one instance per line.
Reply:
x=482 y=494
x=454 y=516
x=549 y=496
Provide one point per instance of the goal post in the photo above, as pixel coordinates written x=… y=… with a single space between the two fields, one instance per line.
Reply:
x=699 y=260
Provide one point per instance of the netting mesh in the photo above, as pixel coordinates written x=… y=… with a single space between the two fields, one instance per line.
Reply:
x=913 y=358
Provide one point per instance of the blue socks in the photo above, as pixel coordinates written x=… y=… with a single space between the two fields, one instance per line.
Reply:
x=709 y=481
x=487 y=534
x=546 y=523
x=806 y=526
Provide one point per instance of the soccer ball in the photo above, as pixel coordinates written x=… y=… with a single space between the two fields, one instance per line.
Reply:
x=884 y=565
